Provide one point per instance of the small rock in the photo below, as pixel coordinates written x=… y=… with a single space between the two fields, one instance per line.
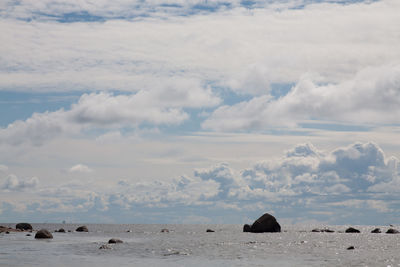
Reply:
x=23 y=226
x=392 y=231
x=43 y=233
x=376 y=231
x=246 y=228
x=164 y=230
x=115 y=241
x=352 y=230
x=316 y=230
x=350 y=248
x=105 y=247
x=7 y=232
x=210 y=231
x=82 y=229
x=61 y=230
x=28 y=235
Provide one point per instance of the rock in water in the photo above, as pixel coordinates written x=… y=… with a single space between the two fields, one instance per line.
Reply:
x=105 y=247
x=350 y=248
x=352 y=230
x=376 y=231
x=317 y=230
x=392 y=231
x=61 y=230
x=114 y=241
x=246 y=228
x=82 y=229
x=23 y=226
x=43 y=233
x=266 y=223
x=210 y=231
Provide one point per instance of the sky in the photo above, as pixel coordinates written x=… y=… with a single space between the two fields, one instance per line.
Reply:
x=200 y=111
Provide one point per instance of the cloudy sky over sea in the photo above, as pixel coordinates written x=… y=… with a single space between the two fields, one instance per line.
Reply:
x=199 y=111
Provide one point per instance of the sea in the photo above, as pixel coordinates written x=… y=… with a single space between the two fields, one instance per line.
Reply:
x=191 y=245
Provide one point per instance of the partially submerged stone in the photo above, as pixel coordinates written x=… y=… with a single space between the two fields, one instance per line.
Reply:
x=82 y=229
x=352 y=230
x=23 y=226
x=114 y=241
x=43 y=234
x=392 y=231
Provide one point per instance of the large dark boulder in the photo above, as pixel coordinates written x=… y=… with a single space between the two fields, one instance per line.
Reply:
x=23 y=226
x=352 y=230
x=82 y=229
x=266 y=223
x=43 y=233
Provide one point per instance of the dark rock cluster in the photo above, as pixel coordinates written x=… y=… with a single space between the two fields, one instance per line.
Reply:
x=24 y=226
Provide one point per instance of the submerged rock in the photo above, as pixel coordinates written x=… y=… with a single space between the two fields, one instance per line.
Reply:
x=350 y=248
x=115 y=241
x=265 y=224
x=352 y=230
x=82 y=229
x=23 y=226
x=392 y=231
x=376 y=231
x=61 y=230
x=210 y=231
x=43 y=233
x=105 y=246
x=164 y=230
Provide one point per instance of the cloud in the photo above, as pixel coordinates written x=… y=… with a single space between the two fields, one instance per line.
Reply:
x=80 y=168
x=12 y=183
x=372 y=97
x=3 y=168
x=268 y=45
x=303 y=182
x=108 y=111
x=75 y=11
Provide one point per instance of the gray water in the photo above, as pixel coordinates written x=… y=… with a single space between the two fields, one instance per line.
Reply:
x=191 y=245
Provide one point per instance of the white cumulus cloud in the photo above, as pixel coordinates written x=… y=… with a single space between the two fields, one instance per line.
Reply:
x=80 y=168
x=372 y=97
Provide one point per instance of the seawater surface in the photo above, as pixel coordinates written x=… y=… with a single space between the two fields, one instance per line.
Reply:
x=191 y=245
